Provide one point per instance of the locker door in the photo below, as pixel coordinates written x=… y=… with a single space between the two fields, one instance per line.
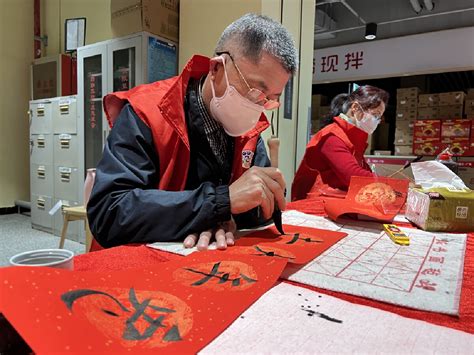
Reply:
x=92 y=85
x=124 y=59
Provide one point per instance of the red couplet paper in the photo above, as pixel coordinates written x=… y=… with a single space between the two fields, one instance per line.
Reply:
x=299 y=245
x=376 y=197
x=178 y=307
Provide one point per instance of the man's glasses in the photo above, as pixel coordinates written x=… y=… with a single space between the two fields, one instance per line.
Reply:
x=254 y=95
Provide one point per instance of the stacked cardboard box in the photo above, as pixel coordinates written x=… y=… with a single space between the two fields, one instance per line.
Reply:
x=451 y=105
x=428 y=106
x=404 y=132
x=427 y=134
x=319 y=111
x=158 y=17
x=407 y=103
x=466 y=171
x=469 y=104
x=444 y=106
x=456 y=134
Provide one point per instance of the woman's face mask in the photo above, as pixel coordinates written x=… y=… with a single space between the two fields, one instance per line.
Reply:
x=369 y=122
x=237 y=114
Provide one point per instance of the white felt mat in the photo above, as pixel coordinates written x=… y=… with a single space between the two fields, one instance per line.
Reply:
x=291 y=319
x=425 y=275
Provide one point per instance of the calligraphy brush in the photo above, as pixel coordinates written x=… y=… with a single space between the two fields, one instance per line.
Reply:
x=407 y=164
x=273 y=145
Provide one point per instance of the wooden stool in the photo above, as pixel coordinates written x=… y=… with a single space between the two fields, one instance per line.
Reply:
x=75 y=214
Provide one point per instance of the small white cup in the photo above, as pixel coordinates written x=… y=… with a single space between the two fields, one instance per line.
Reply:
x=57 y=258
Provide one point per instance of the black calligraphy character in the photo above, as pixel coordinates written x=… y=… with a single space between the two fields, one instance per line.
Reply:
x=270 y=253
x=130 y=332
x=297 y=237
x=222 y=277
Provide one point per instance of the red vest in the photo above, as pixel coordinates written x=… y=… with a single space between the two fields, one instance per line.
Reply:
x=308 y=177
x=160 y=105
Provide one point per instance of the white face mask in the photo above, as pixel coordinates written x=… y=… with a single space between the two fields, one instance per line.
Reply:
x=368 y=123
x=236 y=114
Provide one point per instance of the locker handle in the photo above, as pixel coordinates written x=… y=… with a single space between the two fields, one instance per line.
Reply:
x=40 y=111
x=41 y=173
x=40 y=203
x=65 y=143
x=65 y=177
x=41 y=142
x=64 y=109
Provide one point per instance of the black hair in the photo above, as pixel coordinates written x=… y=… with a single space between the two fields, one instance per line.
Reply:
x=367 y=96
x=338 y=105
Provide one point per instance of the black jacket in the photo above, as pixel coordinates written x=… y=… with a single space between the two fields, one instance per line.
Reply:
x=125 y=206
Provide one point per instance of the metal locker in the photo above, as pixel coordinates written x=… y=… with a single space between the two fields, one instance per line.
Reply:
x=74 y=229
x=41 y=149
x=66 y=149
x=41 y=179
x=40 y=117
x=40 y=218
x=64 y=115
x=66 y=181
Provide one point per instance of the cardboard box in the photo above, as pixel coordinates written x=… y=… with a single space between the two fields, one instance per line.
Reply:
x=470 y=94
x=158 y=17
x=457 y=146
x=406 y=115
x=404 y=132
x=428 y=113
x=427 y=146
x=405 y=125
x=315 y=126
x=403 y=137
x=324 y=112
x=427 y=129
x=318 y=100
x=450 y=112
x=441 y=209
x=451 y=98
x=403 y=149
x=407 y=104
x=382 y=152
x=466 y=171
x=408 y=93
x=456 y=128
x=428 y=100
x=469 y=107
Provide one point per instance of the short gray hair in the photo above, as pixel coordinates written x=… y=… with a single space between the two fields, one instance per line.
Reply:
x=251 y=34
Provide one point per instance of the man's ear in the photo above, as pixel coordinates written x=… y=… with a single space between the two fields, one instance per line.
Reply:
x=214 y=64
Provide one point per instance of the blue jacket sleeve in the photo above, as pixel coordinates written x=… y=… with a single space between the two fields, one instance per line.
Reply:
x=125 y=206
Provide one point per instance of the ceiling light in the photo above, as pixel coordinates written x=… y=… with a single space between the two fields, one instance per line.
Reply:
x=371 y=31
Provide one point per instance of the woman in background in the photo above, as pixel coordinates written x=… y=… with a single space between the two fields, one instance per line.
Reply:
x=336 y=152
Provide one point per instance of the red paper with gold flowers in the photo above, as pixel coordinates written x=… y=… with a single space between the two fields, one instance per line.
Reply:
x=177 y=307
x=376 y=197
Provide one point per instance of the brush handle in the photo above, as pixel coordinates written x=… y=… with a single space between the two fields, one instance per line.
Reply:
x=273 y=145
